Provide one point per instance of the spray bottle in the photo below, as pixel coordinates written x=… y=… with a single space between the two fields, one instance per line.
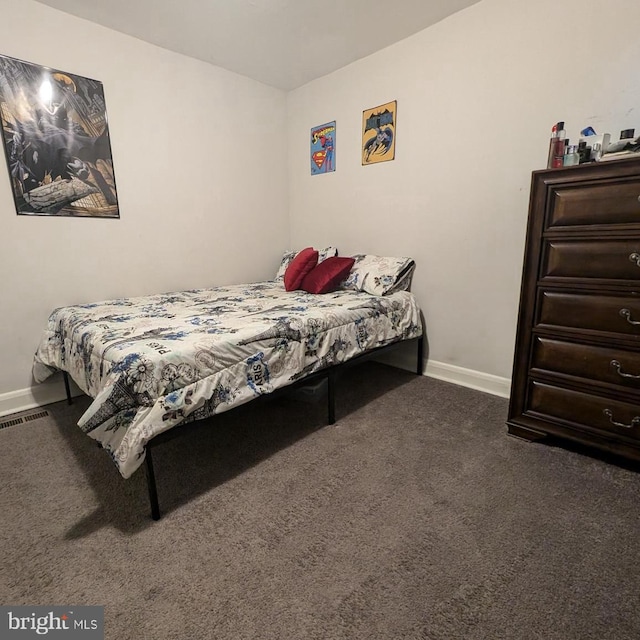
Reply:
x=557 y=146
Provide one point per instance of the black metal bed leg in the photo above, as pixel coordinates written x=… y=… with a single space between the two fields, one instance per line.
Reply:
x=331 y=398
x=67 y=388
x=151 y=485
x=419 y=364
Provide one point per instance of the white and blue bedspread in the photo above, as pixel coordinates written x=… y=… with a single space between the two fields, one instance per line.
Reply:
x=151 y=363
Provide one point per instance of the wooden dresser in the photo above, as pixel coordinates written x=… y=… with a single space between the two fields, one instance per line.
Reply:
x=576 y=370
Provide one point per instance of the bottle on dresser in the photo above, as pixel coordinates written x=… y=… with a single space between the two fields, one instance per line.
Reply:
x=584 y=152
x=572 y=156
x=556 y=146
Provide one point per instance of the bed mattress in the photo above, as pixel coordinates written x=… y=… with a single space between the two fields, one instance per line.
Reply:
x=151 y=363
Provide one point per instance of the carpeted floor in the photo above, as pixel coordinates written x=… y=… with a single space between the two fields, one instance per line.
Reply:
x=414 y=516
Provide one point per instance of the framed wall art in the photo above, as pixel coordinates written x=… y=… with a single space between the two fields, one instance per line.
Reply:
x=323 y=148
x=379 y=133
x=56 y=141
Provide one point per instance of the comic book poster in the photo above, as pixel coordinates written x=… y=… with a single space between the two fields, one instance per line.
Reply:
x=323 y=148
x=379 y=133
x=56 y=141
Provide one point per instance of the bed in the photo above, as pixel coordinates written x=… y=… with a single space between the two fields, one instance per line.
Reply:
x=154 y=363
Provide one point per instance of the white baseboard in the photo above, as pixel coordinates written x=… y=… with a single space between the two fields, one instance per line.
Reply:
x=486 y=382
x=38 y=396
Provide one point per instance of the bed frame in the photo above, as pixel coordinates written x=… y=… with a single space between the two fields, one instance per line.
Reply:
x=328 y=374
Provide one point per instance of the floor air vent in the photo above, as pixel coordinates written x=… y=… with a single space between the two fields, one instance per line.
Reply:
x=11 y=423
x=15 y=421
x=36 y=416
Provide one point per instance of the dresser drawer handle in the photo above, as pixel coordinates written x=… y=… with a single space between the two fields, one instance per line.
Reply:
x=634 y=422
x=616 y=365
x=635 y=257
x=626 y=314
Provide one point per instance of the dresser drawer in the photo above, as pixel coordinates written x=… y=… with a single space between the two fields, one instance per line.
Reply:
x=604 y=259
x=613 y=203
x=601 y=364
x=607 y=313
x=585 y=410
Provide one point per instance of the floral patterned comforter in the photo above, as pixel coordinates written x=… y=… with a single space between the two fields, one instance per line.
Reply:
x=151 y=363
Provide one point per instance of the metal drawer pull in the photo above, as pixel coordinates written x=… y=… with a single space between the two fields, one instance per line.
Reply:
x=626 y=314
x=634 y=422
x=635 y=257
x=616 y=365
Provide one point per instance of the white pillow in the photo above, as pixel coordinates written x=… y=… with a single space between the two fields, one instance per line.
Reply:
x=379 y=275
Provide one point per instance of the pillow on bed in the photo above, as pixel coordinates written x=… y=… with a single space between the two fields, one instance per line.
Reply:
x=327 y=275
x=288 y=256
x=326 y=253
x=380 y=275
x=299 y=267
x=403 y=282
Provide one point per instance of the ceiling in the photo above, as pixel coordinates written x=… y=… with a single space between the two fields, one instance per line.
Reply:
x=283 y=43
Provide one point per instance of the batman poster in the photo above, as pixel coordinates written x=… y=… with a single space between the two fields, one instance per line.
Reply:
x=56 y=140
x=379 y=133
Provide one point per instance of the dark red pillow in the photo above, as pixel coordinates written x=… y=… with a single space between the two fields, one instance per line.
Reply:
x=328 y=275
x=299 y=267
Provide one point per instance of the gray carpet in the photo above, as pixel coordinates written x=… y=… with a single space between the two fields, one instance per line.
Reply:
x=414 y=516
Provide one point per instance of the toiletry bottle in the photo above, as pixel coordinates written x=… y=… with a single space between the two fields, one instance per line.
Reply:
x=627 y=134
x=584 y=152
x=596 y=152
x=554 y=131
x=571 y=157
x=558 y=146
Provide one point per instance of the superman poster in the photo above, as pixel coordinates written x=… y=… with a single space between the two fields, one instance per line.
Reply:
x=56 y=140
x=323 y=148
x=379 y=133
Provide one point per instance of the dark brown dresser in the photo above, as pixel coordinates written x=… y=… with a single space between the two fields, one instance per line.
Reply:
x=576 y=371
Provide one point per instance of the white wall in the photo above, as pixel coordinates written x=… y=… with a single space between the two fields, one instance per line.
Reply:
x=201 y=184
x=200 y=205
x=477 y=96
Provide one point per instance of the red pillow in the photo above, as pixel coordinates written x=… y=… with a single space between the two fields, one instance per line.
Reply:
x=328 y=275
x=299 y=267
